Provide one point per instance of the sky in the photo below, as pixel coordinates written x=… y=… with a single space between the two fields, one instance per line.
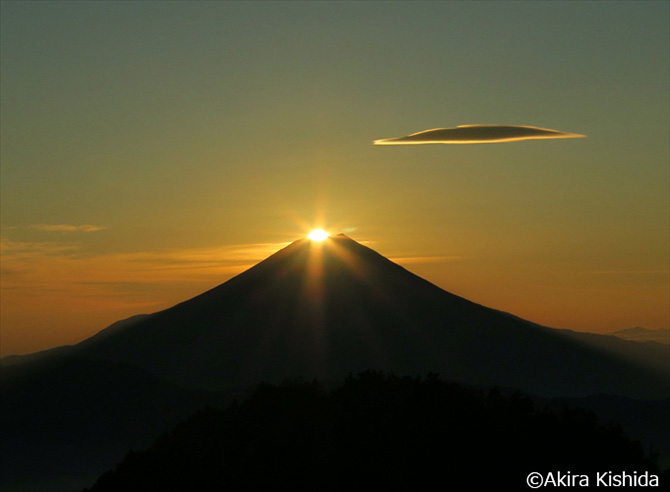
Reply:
x=152 y=150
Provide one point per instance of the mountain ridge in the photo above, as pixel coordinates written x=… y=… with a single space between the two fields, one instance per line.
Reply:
x=324 y=309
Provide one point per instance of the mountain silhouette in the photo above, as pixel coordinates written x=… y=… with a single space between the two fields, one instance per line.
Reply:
x=312 y=310
x=327 y=309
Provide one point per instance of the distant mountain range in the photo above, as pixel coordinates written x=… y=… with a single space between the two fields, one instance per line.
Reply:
x=639 y=334
x=312 y=310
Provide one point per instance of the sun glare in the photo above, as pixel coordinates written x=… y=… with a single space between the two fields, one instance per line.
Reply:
x=318 y=235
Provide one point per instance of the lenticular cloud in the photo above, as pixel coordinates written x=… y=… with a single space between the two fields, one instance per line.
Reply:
x=469 y=134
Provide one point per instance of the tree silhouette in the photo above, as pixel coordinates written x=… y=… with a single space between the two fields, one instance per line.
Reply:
x=375 y=430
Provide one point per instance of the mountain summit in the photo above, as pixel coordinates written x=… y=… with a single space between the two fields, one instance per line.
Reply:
x=329 y=308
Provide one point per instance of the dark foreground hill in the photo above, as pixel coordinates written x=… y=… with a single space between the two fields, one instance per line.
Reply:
x=377 y=432
x=66 y=420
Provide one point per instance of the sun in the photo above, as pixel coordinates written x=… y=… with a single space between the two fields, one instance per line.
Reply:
x=318 y=235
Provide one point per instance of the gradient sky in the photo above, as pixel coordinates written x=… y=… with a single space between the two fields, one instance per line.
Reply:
x=151 y=150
